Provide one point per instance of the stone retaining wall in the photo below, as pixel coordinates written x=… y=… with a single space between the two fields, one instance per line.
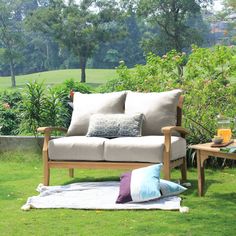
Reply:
x=20 y=143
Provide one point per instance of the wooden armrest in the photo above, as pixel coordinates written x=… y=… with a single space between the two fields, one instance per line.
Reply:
x=169 y=129
x=47 y=131
x=50 y=129
x=167 y=133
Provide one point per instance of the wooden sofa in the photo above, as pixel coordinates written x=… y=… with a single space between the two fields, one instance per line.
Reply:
x=169 y=132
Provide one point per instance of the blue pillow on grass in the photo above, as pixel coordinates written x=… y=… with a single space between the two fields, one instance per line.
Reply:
x=140 y=185
x=168 y=188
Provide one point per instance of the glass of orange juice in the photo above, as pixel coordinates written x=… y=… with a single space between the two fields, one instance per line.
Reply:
x=224 y=129
x=226 y=134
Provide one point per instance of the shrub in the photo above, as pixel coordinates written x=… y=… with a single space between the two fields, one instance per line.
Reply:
x=62 y=92
x=204 y=80
x=9 y=112
x=48 y=106
x=32 y=111
x=218 y=62
x=159 y=74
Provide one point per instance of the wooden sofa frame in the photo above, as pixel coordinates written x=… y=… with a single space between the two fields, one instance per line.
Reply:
x=167 y=163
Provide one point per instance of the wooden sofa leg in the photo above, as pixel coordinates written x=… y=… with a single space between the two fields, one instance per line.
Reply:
x=46 y=168
x=166 y=172
x=184 y=170
x=71 y=172
x=46 y=175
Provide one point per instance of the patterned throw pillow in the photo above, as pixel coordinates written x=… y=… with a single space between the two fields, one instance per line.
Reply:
x=115 y=125
x=140 y=185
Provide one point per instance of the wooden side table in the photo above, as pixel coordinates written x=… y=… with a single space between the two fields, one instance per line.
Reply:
x=204 y=151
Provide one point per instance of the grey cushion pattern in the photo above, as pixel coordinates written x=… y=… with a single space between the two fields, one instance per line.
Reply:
x=84 y=105
x=142 y=149
x=76 y=148
x=159 y=109
x=115 y=125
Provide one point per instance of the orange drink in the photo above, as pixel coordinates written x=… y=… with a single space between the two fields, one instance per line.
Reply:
x=226 y=134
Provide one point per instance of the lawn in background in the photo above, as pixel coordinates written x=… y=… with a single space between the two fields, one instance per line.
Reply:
x=94 y=78
x=20 y=173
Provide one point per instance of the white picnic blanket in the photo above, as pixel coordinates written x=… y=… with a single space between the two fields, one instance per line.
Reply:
x=93 y=195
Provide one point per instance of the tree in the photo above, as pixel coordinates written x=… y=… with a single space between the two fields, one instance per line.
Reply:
x=173 y=19
x=230 y=3
x=12 y=13
x=10 y=35
x=230 y=6
x=127 y=49
x=78 y=26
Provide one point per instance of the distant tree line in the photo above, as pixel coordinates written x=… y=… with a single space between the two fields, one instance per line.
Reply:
x=41 y=35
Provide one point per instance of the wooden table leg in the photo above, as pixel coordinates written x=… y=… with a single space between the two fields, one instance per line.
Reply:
x=200 y=171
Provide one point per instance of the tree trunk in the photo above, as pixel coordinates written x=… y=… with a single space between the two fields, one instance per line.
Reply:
x=83 y=61
x=180 y=73
x=47 y=56
x=13 y=78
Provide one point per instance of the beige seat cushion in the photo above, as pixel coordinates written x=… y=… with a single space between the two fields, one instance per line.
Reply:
x=76 y=148
x=84 y=105
x=159 y=109
x=142 y=149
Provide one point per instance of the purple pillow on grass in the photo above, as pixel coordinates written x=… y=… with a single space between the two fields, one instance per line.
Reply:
x=140 y=185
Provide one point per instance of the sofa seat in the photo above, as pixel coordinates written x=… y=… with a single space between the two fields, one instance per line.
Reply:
x=76 y=148
x=123 y=149
x=142 y=149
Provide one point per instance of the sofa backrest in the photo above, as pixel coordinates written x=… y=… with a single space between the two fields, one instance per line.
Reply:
x=159 y=109
x=85 y=105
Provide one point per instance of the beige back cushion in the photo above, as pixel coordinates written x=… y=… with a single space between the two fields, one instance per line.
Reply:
x=159 y=109
x=84 y=105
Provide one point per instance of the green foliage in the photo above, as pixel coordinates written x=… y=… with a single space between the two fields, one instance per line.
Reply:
x=55 y=108
x=10 y=35
x=9 y=113
x=204 y=80
x=77 y=26
x=159 y=74
x=129 y=49
x=37 y=106
x=12 y=98
x=71 y=84
x=227 y=15
x=208 y=92
x=218 y=62
x=61 y=97
x=33 y=107
x=179 y=22
x=48 y=106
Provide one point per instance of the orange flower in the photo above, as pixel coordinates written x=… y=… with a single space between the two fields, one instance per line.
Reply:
x=72 y=93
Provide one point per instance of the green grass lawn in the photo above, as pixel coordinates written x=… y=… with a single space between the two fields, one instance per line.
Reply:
x=95 y=77
x=213 y=214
